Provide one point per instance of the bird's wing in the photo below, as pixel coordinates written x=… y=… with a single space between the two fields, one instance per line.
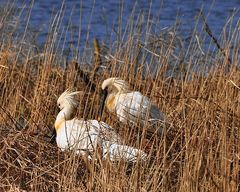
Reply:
x=117 y=151
x=135 y=106
x=111 y=146
x=132 y=106
x=105 y=131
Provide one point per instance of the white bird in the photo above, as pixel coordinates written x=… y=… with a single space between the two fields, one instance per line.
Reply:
x=84 y=136
x=130 y=106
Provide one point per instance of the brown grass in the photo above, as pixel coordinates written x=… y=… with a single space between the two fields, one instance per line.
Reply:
x=200 y=151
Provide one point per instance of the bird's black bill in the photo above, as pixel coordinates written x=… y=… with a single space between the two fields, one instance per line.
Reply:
x=53 y=137
x=102 y=104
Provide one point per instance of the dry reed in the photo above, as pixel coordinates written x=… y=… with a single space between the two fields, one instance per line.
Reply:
x=199 y=152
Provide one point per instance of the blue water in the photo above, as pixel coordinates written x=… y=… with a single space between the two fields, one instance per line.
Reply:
x=100 y=17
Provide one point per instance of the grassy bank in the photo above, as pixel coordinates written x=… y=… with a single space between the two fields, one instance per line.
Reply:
x=196 y=87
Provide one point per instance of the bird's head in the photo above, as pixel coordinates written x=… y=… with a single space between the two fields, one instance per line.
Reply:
x=67 y=100
x=115 y=84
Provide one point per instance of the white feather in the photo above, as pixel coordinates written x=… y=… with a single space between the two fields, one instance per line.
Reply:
x=135 y=107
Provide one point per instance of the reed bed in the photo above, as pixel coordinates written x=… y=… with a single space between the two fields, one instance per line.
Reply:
x=196 y=87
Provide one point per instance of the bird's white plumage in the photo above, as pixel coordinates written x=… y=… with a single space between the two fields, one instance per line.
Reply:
x=130 y=106
x=135 y=107
x=84 y=136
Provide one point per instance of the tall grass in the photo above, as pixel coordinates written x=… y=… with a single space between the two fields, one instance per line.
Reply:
x=189 y=82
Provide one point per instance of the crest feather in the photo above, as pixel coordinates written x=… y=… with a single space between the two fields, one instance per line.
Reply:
x=68 y=96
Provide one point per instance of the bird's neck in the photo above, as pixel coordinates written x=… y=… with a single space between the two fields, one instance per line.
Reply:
x=111 y=101
x=64 y=115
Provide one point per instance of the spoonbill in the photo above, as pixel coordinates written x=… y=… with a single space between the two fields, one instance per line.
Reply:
x=130 y=106
x=84 y=136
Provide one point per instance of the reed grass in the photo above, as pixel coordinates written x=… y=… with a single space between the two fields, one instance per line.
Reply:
x=189 y=82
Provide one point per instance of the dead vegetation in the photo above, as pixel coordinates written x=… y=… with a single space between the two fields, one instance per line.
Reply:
x=200 y=151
